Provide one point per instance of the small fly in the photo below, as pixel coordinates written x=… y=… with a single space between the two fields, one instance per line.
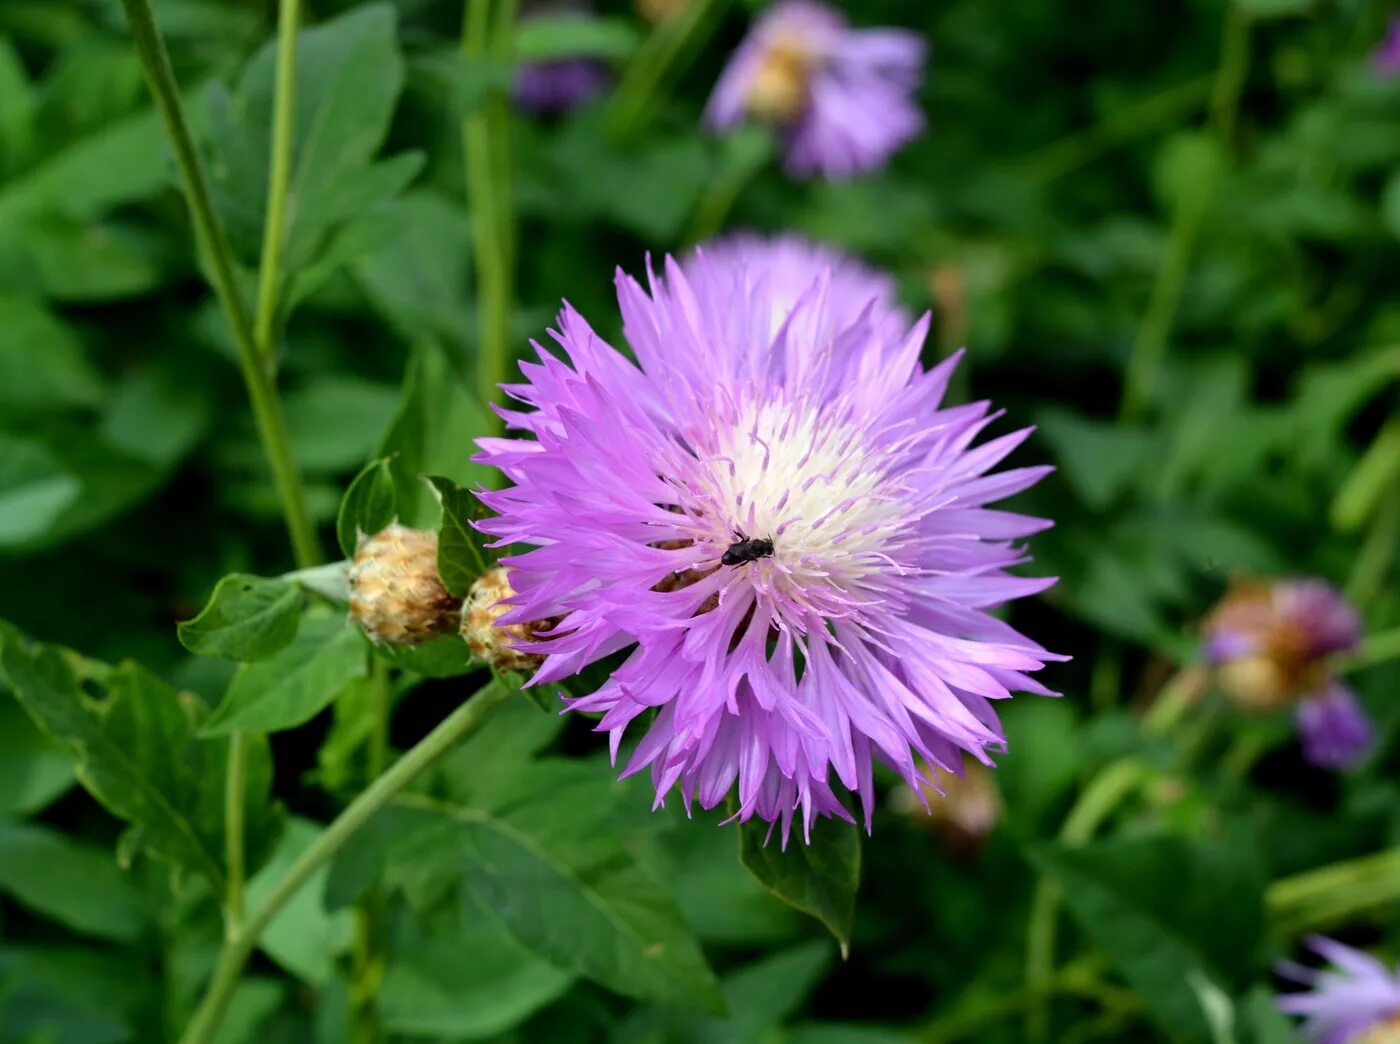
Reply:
x=745 y=550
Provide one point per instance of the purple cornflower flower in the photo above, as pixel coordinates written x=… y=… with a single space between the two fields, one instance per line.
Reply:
x=1358 y=1002
x=558 y=84
x=842 y=98
x=1385 y=59
x=772 y=511
x=790 y=264
x=1271 y=643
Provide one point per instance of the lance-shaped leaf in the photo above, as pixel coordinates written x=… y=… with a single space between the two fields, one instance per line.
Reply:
x=247 y=618
x=819 y=878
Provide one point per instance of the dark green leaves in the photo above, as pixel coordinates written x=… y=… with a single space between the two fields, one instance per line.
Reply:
x=462 y=552
x=297 y=682
x=72 y=883
x=137 y=751
x=820 y=878
x=368 y=506
x=247 y=618
x=1181 y=922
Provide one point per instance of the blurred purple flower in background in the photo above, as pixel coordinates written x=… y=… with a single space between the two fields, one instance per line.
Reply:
x=558 y=84
x=771 y=509
x=1357 y=1002
x=1271 y=643
x=842 y=98
x=1385 y=59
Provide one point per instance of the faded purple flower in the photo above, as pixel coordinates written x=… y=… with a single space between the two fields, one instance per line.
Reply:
x=1354 y=1003
x=1333 y=728
x=1271 y=643
x=790 y=265
x=560 y=84
x=1385 y=59
x=842 y=98
x=773 y=513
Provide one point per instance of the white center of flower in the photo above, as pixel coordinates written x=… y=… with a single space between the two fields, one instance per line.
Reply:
x=804 y=480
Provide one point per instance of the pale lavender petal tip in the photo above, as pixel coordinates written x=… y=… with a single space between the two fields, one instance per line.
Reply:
x=771 y=513
x=1356 y=996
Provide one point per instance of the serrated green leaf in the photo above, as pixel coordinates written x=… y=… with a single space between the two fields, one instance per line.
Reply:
x=819 y=878
x=248 y=618
x=296 y=683
x=367 y=507
x=72 y=883
x=462 y=554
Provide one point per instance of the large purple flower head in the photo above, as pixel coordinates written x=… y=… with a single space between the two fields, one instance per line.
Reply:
x=1357 y=1002
x=1272 y=642
x=784 y=527
x=842 y=98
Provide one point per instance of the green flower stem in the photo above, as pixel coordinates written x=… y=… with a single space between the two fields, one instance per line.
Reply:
x=1376 y=474
x=1150 y=344
x=1101 y=798
x=660 y=57
x=1131 y=123
x=278 y=176
x=1331 y=894
x=1377 y=554
x=486 y=144
x=460 y=724
x=213 y=240
x=235 y=808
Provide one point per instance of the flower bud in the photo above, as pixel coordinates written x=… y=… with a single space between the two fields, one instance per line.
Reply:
x=963 y=815
x=396 y=595
x=486 y=602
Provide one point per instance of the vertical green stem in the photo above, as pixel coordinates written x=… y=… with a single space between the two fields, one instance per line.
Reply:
x=235 y=806
x=369 y=943
x=659 y=58
x=278 y=175
x=213 y=241
x=486 y=144
x=1377 y=555
x=1149 y=346
x=460 y=724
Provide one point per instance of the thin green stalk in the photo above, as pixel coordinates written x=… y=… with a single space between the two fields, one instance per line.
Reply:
x=660 y=57
x=1377 y=555
x=1132 y=122
x=1331 y=894
x=1376 y=474
x=213 y=240
x=486 y=144
x=460 y=724
x=369 y=936
x=1149 y=346
x=278 y=176
x=235 y=808
x=1100 y=798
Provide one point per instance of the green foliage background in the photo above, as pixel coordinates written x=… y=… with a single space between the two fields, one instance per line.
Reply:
x=1211 y=185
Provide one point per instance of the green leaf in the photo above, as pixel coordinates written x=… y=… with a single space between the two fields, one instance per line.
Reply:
x=819 y=878
x=368 y=505
x=438 y=419
x=63 y=994
x=572 y=35
x=34 y=769
x=70 y=882
x=1264 y=9
x=349 y=73
x=1100 y=460
x=462 y=554
x=157 y=415
x=247 y=618
x=1181 y=922
x=35 y=490
x=333 y=422
x=446 y=656
x=138 y=754
x=297 y=682
x=303 y=938
x=41 y=360
x=430 y=991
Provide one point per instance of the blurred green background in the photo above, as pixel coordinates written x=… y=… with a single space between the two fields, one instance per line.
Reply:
x=1168 y=234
